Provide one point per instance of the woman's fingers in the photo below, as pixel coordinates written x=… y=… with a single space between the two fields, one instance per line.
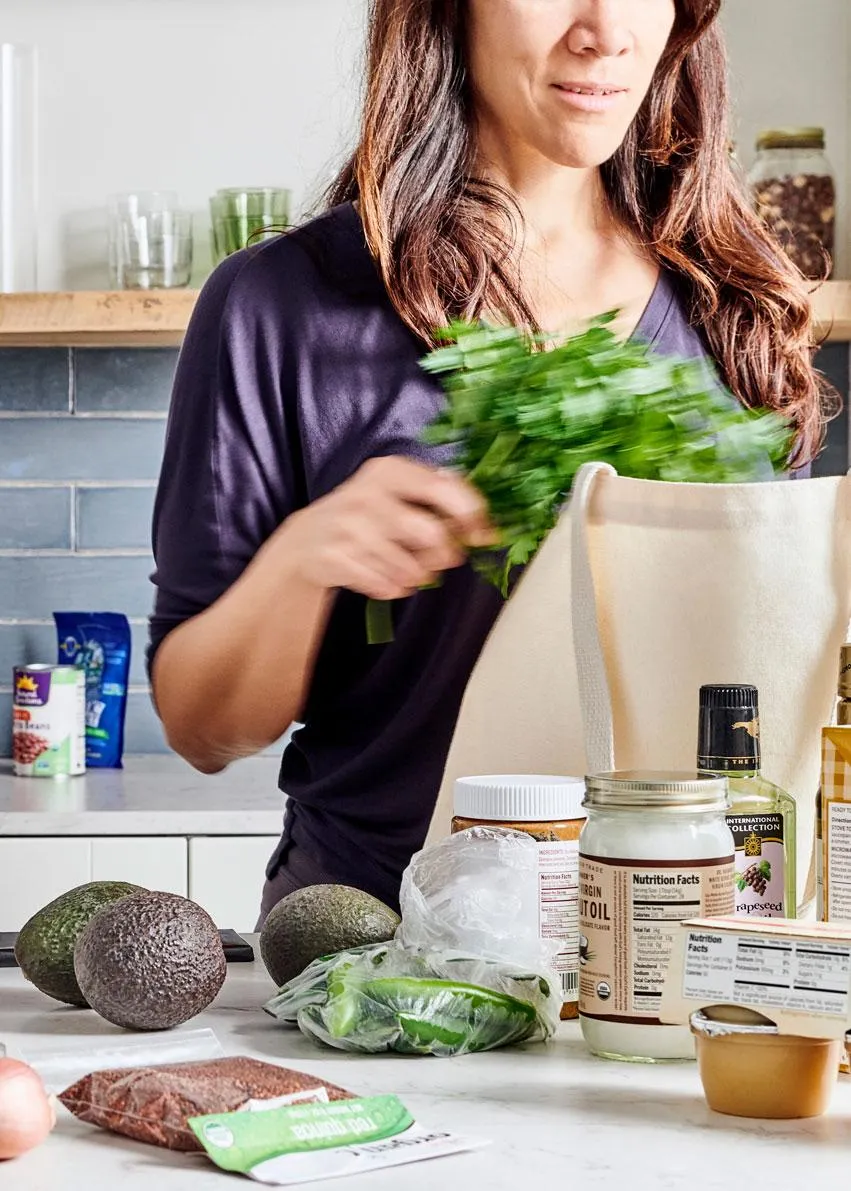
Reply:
x=448 y=495
x=426 y=536
x=391 y=529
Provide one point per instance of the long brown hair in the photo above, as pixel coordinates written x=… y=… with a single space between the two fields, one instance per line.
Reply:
x=444 y=239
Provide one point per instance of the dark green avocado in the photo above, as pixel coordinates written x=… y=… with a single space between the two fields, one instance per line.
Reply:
x=321 y=920
x=45 y=945
x=151 y=962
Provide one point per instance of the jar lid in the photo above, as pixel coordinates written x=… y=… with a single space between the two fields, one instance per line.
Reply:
x=634 y=789
x=845 y=672
x=520 y=798
x=791 y=138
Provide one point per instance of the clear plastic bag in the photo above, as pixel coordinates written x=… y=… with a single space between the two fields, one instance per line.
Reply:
x=476 y=893
x=467 y=971
x=59 y=1068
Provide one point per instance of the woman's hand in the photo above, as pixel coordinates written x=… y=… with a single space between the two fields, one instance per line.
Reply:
x=388 y=531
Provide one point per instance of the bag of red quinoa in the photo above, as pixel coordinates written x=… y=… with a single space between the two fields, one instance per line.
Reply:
x=153 y=1104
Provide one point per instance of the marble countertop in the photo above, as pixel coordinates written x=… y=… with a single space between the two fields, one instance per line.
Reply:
x=556 y=1117
x=152 y=795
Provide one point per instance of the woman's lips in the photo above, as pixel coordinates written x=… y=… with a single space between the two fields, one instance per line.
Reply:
x=590 y=97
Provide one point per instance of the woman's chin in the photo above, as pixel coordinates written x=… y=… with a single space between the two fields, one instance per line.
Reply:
x=582 y=152
x=580 y=144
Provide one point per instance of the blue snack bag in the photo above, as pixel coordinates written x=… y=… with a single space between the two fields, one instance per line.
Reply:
x=99 y=642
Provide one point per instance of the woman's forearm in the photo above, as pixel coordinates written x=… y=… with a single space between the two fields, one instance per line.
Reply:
x=230 y=681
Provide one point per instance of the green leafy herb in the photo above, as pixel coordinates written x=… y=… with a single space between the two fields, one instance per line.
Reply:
x=523 y=421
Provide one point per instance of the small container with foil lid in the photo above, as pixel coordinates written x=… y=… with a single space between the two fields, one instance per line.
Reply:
x=749 y=1069
x=549 y=808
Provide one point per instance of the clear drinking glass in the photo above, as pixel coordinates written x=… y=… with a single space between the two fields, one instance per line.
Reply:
x=18 y=168
x=123 y=207
x=243 y=215
x=155 y=250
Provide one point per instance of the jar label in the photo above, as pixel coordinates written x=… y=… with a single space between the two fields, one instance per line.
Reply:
x=628 y=912
x=760 y=865
x=558 y=909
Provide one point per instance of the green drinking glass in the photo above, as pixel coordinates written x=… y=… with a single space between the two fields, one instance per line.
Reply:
x=246 y=215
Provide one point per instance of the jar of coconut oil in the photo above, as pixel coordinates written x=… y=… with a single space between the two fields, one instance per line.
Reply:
x=655 y=850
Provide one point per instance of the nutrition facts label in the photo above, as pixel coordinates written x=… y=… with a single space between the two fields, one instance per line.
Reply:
x=629 y=911
x=558 y=908
x=767 y=970
x=839 y=861
x=660 y=898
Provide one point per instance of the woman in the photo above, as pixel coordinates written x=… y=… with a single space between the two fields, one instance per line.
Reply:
x=540 y=160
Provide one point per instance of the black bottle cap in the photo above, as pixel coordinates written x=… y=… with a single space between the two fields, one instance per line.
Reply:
x=728 y=729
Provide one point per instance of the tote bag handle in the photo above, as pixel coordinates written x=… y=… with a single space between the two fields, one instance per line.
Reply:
x=595 y=697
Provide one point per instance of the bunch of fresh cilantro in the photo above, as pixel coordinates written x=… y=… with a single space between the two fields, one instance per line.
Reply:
x=523 y=421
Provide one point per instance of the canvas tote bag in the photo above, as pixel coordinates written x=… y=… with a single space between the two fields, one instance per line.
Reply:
x=643 y=592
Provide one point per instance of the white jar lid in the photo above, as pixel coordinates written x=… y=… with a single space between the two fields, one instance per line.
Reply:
x=520 y=798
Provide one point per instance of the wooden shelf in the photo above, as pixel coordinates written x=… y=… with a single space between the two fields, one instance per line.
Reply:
x=89 y=318
x=832 y=303
x=158 y=318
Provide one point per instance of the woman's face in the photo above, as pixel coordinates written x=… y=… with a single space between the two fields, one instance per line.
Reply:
x=564 y=78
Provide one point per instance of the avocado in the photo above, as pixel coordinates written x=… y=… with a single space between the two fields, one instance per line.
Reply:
x=150 y=962
x=45 y=945
x=321 y=920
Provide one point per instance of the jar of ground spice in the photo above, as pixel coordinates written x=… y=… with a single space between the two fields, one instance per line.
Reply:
x=550 y=810
x=795 y=195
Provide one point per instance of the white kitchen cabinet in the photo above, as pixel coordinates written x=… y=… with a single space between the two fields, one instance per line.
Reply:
x=226 y=877
x=35 y=871
x=155 y=862
x=224 y=874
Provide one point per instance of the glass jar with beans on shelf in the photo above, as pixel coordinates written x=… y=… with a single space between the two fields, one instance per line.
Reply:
x=794 y=193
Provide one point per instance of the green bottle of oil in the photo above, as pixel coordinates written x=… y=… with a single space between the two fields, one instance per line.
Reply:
x=761 y=815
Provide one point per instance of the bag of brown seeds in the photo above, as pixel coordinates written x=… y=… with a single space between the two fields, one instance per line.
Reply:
x=154 y=1104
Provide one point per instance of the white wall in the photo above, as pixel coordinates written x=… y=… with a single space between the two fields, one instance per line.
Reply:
x=185 y=95
x=196 y=94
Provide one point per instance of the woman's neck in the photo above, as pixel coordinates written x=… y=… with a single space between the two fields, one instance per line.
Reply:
x=573 y=258
x=554 y=200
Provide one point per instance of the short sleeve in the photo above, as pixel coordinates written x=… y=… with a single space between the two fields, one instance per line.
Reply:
x=230 y=464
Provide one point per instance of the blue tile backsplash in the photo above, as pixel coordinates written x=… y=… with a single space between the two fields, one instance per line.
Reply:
x=34 y=585
x=81 y=434
x=75 y=448
x=35 y=518
x=833 y=360
x=36 y=379
x=112 y=518
x=133 y=380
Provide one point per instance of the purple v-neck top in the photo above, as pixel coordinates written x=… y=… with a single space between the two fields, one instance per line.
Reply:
x=295 y=370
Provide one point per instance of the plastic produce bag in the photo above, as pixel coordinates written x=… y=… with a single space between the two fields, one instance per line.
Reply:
x=467 y=971
x=476 y=893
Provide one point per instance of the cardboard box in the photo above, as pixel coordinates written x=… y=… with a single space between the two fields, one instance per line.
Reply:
x=798 y=974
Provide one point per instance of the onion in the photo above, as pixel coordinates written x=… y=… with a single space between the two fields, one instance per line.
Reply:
x=26 y=1113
